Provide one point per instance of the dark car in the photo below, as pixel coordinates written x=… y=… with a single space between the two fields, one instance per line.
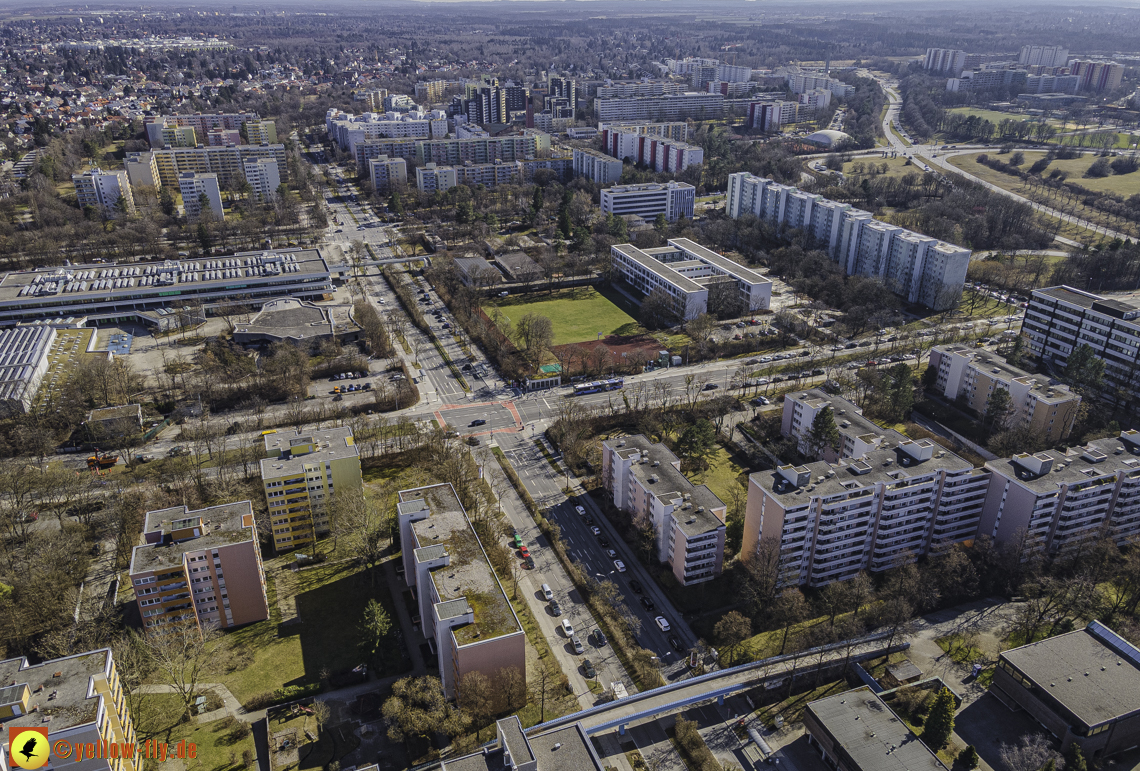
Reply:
x=599 y=638
x=588 y=669
x=635 y=585
x=648 y=603
x=604 y=542
x=479 y=422
x=528 y=563
x=710 y=387
x=555 y=608
x=589 y=520
x=676 y=643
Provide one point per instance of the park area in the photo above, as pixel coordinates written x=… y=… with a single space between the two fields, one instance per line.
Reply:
x=1074 y=168
x=579 y=315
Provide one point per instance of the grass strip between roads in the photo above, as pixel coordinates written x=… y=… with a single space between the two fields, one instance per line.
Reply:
x=623 y=643
x=546 y=454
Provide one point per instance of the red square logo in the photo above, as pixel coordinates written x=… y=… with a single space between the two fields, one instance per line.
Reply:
x=28 y=748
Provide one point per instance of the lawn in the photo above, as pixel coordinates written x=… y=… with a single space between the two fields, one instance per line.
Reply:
x=579 y=315
x=1119 y=184
x=726 y=472
x=897 y=168
x=219 y=744
x=330 y=600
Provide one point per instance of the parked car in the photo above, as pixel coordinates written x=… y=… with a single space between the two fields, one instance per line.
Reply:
x=611 y=553
x=710 y=387
x=523 y=551
x=619 y=565
x=648 y=603
x=567 y=627
x=662 y=624
x=599 y=638
x=635 y=585
x=555 y=608
x=588 y=669
x=676 y=643
x=574 y=641
x=596 y=530
x=581 y=510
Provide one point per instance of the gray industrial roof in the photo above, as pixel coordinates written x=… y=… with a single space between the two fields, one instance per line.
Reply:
x=224 y=525
x=65 y=699
x=562 y=749
x=872 y=736
x=1093 y=681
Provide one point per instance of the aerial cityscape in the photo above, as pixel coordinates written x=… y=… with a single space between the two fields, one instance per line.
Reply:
x=657 y=386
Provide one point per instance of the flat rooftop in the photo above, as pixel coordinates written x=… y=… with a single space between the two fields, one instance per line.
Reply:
x=848 y=417
x=871 y=735
x=560 y=749
x=77 y=283
x=670 y=483
x=116 y=413
x=222 y=525
x=468 y=577
x=287 y=450
x=888 y=464
x=1100 y=457
x=289 y=318
x=1095 y=681
x=1044 y=388
x=60 y=689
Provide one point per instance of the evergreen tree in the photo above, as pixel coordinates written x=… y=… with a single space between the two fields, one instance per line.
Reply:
x=464 y=213
x=940 y=721
x=166 y=201
x=823 y=433
x=395 y=205
x=1075 y=759
x=697 y=441
x=538 y=201
x=998 y=410
x=1084 y=369
x=565 y=228
x=969 y=758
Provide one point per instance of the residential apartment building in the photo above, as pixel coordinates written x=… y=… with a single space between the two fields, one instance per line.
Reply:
x=82 y=700
x=676 y=130
x=194 y=186
x=989 y=79
x=373 y=98
x=260 y=132
x=685 y=271
x=1052 y=84
x=714 y=68
x=599 y=167
x=263 y=177
x=431 y=91
x=1060 y=319
x=645 y=480
x=347 y=129
x=658 y=153
x=1055 y=499
x=1099 y=76
x=454 y=152
x=673 y=199
x=1043 y=56
x=142 y=170
x=671 y=107
x=301 y=473
x=463 y=608
x=799 y=82
x=918 y=268
x=223 y=137
x=945 y=60
x=857 y=435
x=559 y=749
x=387 y=173
x=202 y=567
x=770 y=116
x=103 y=189
x=640 y=88
x=816 y=99
x=828 y=521
x=201 y=124
x=147 y=293
x=971 y=376
x=1083 y=687
x=431 y=178
x=227 y=162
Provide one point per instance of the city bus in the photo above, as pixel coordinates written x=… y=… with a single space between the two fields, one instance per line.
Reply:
x=613 y=384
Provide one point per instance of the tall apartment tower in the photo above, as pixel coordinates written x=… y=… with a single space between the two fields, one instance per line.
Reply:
x=83 y=697
x=301 y=473
x=1043 y=56
x=199 y=567
x=263 y=176
x=103 y=189
x=193 y=186
x=945 y=60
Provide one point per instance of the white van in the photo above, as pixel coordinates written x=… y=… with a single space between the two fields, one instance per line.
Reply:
x=549 y=595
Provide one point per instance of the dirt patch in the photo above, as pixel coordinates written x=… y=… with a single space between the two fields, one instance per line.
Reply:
x=621 y=348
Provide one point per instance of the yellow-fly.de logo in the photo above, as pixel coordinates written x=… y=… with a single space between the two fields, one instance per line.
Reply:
x=28 y=748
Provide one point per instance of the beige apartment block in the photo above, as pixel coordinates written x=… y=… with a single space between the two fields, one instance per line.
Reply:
x=202 y=567
x=79 y=698
x=857 y=435
x=301 y=472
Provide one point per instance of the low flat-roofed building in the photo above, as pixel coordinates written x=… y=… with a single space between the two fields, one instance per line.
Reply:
x=148 y=291
x=688 y=520
x=559 y=749
x=476 y=271
x=463 y=606
x=80 y=698
x=686 y=271
x=297 y=321
x=675 y=200
x=857 y=731
x=519 y=266
x=199 y=567
x=116 y=421
x=1084 y=687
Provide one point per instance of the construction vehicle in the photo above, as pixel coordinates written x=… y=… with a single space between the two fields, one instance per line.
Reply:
x=101 y=461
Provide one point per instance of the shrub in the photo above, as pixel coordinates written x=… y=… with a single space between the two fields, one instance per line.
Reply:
x=1099 y=168
x=258 y=701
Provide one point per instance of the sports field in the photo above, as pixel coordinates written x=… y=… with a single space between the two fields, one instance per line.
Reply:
x=579 y=314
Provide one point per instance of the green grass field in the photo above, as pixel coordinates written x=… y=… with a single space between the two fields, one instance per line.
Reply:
x=1120 y=184
x=722 y=475
x=579 y=315
x=897 y=167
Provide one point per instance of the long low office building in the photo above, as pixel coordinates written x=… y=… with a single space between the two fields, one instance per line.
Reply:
x=685 y=271
x=152 y=292
x=921 y=269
